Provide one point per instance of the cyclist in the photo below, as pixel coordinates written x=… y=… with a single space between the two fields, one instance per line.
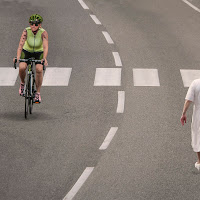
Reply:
x=33 y=43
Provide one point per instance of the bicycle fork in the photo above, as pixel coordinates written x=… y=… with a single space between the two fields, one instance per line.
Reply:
x=30 y=78
x=30 y=84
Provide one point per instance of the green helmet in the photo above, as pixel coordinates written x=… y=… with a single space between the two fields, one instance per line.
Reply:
x=36 y=17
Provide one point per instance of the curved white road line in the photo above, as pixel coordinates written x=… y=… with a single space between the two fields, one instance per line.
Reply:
x=117 y=58
x=108 y=38
x=191 y=5
x=108 y=138
x=83 y=4
x=95 y=19
x=121 y=101
x=79 y=183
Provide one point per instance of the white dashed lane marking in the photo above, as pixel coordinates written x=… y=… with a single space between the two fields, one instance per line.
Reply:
x=189 y=75
x=121 y=101
x=191 y=5
x=8 y=76
x=145 y=77
x=107 y=77
x=95 y=19
x=83 y=4
x=57 y=76
x=108 y=38
x=79 y=183
x=108 y=138
x=117 y=58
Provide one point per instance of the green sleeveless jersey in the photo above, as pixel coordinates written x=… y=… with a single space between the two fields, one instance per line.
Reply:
x=33 y=42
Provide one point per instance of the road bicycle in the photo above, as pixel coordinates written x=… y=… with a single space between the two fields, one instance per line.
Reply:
x=29 y=87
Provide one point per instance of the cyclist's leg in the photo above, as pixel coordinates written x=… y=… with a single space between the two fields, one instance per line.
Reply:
x=39 y=71
x=22 y=71
x=23 y=66
x=22 y=74
x=39 y=77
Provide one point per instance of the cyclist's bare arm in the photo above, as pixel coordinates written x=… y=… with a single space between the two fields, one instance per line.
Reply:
x=45 y=45
x=21 y=43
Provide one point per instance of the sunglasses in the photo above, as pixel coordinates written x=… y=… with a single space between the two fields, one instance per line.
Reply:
x=36 y=23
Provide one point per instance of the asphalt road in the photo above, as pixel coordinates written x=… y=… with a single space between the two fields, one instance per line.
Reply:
x=150 y=157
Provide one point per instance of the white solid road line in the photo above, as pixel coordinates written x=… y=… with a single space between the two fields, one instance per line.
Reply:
x=79 y=183
x=117 y=58
x=55 y=76
x=95 y=19
x=145 y=77
x=108 y=38
x=108 y=138
x=189 y=75
x=121 y=101
x=191 y=5
x=83 y=4
x=8 y=76
x=108 y=77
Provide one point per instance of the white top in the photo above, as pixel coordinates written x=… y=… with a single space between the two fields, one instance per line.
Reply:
x=193 y=95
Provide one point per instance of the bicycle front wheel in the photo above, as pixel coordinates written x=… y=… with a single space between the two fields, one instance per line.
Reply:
x=26 y=102
x=30 y=102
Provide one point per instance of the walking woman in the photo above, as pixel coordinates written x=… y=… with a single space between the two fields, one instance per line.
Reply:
x=193 y=96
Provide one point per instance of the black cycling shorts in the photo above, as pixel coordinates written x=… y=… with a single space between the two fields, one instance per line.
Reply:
x=37 y=55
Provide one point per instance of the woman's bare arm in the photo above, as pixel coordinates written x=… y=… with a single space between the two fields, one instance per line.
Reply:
x=185 y=108
x=21 y=43
x=45 y=44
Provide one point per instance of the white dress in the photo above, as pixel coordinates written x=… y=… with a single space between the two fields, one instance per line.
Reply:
x=193 y=95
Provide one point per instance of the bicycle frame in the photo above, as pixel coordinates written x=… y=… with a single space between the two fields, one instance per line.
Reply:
x=31 y=77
